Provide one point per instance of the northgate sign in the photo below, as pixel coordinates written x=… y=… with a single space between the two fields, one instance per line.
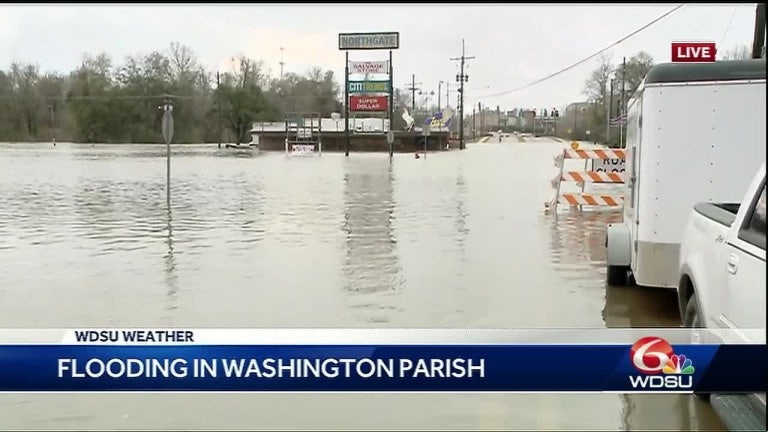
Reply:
x=369 y=41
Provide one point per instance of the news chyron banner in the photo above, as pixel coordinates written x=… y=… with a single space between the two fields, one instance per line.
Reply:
x=383 y=360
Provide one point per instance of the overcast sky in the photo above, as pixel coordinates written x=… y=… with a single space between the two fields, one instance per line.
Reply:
x=513 y=44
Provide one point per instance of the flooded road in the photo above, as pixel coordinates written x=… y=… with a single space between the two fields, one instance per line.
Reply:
x=456 y=239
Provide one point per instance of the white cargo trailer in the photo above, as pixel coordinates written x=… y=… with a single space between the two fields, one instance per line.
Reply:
x=695 y=133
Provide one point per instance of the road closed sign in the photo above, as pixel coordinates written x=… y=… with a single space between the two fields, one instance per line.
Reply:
x=609 y=165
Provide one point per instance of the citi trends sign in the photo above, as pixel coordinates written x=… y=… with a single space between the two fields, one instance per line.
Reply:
x=368 y=86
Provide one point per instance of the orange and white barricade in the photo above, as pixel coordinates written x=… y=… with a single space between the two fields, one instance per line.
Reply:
x=601 y=173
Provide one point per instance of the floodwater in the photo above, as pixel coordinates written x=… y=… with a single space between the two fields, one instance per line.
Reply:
x=456 y=239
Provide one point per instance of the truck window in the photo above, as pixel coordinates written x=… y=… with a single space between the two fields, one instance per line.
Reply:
x=754 y=228
x=757 y=221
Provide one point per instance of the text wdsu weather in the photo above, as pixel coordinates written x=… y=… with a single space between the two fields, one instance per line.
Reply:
x=131 y=336
x=120 y=368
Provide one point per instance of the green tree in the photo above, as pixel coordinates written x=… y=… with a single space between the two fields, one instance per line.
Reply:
x=241 y=99
x=101 y=101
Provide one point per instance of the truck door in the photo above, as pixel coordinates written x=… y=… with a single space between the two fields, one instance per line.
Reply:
x=744 y=297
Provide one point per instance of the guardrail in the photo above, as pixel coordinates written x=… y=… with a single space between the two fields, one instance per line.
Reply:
x=607 y=167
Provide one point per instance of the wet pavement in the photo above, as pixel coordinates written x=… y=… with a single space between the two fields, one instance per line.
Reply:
x=456 y=239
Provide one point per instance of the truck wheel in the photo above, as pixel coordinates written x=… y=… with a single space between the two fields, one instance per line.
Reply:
x=693 y=319
x=616 y=275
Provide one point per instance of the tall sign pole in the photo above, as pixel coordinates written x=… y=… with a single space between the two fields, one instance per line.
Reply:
x=369 y=41
x=390 y=134
x=346 y=103
x=461 y=79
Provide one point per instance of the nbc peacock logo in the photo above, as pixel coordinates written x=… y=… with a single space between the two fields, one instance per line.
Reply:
x=660 y=367
x=678 y=365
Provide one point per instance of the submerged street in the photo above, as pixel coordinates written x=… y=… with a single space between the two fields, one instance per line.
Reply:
x=456 y=239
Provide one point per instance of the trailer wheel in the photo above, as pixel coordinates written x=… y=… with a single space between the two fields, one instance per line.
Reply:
x=692 y=319
x=617 y=275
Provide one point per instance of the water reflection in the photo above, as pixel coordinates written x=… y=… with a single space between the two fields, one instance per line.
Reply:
x=370 y=267
x=578 y=238
x=171 y=278
x=462 y=228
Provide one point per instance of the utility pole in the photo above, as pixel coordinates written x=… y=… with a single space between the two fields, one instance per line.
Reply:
x=758 y=44
x=282 y=62
x=413 y=89
x=482 y=118
x=608 y=115
x=622 y=107
x=439 y=91
x=52 y=108
x=218 y=109
x=461 y=78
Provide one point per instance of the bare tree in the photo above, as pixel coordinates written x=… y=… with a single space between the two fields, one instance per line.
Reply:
x=596 y=86
x=741 y=52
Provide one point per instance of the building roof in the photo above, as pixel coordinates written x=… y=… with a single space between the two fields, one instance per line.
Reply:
x=716 y=71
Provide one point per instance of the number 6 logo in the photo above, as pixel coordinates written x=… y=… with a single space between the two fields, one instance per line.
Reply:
x=649 y=354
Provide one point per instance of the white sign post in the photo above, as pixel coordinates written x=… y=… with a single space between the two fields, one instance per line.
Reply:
x=167 y=129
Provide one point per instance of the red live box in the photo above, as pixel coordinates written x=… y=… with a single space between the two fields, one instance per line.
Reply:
x=693 y=52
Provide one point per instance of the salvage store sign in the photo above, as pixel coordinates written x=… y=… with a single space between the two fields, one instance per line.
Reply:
x=369 y=86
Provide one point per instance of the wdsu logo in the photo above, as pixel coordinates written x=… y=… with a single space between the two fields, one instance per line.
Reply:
x=661 y=368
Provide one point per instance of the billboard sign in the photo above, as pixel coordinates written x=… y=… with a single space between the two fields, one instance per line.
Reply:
x=369 y=67
x=369 y=86
x=439 y=120
x=369 y=41
x=368 y=103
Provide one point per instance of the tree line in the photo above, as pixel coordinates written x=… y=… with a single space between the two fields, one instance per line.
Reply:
x=105 y=102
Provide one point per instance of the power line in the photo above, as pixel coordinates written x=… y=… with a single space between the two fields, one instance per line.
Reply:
x=728 y=27
x=587 y=58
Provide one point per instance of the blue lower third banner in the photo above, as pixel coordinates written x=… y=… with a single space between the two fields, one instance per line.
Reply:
x=386 y=368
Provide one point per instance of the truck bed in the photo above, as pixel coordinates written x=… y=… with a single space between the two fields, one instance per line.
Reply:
x=722 y=213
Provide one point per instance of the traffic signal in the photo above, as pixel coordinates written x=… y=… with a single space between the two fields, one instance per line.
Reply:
x=545 y=112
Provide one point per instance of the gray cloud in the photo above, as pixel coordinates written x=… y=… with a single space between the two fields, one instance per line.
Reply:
x=513 y=44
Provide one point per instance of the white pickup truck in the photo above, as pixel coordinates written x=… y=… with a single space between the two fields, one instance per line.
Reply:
x=722 y=284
